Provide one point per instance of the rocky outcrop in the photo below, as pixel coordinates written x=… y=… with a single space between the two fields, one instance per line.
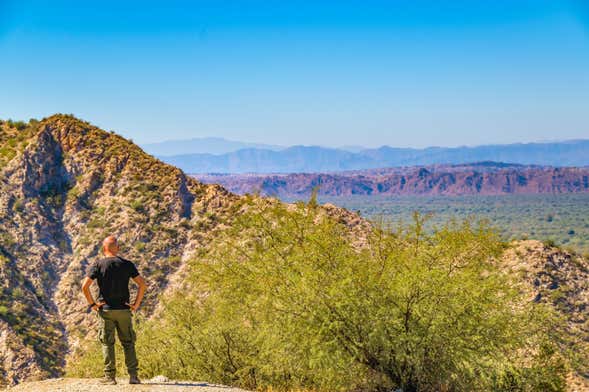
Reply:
x=559 y=278
x=487 y=178
x=16 y=357
x=555 y=276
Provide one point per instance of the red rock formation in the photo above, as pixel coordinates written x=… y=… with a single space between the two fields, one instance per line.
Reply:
x=482 y=178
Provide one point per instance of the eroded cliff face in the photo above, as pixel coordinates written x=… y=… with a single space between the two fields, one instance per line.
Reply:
x=485 y=178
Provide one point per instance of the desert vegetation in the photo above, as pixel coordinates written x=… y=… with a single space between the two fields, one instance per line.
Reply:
x=286 y=299
x=14 y=137
x=561 y=219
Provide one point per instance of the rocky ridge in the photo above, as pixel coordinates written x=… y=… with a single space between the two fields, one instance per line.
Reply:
x=484 y=178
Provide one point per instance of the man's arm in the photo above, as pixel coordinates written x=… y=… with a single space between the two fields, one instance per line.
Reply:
x=86 y=283
x=140 y=292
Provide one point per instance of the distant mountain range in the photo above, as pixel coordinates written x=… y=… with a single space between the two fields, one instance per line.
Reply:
x=484 y=178
x=204 y=145
x=314 y=159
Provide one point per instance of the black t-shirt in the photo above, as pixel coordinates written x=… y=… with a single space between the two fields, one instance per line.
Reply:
x=113 y=274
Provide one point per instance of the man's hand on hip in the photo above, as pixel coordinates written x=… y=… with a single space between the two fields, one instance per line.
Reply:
x=97 y=306
x=133 y=307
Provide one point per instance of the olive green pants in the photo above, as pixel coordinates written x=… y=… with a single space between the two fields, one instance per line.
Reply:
x=119 y=320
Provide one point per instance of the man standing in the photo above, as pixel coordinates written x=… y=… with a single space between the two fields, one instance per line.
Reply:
x=114 y=308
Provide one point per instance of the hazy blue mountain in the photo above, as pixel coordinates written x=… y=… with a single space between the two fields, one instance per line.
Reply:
x=352 y=148
x=205 y=145
x=566 y=153
x=322 y=159
x=252 y=160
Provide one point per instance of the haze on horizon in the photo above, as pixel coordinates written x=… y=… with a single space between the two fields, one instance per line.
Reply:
x=370 y=73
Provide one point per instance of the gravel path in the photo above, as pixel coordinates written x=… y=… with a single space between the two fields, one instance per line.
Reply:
x=159 y=384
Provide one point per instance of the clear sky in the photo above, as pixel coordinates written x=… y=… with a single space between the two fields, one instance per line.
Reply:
x=403 y=73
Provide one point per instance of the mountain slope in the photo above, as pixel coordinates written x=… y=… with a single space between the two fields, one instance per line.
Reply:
x=321 y=159
x=69 y=187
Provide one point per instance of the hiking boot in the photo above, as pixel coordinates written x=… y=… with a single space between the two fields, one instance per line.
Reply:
x=133 y=379
x=108 y=380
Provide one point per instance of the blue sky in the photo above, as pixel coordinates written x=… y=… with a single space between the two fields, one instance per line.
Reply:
x=403 y=73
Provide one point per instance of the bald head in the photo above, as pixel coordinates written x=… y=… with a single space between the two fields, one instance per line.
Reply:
x=110 y=246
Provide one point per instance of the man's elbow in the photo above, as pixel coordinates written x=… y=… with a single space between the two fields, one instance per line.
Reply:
x=86 y=283
x=140 y=282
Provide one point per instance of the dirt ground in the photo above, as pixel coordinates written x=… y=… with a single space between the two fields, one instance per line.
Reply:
x=157 y=384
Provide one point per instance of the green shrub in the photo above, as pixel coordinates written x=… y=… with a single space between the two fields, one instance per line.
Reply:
x=73 y=194
x=95 y=223
x=20 y=125
x=18 y=292
x=286 y=299
x=137 y=205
